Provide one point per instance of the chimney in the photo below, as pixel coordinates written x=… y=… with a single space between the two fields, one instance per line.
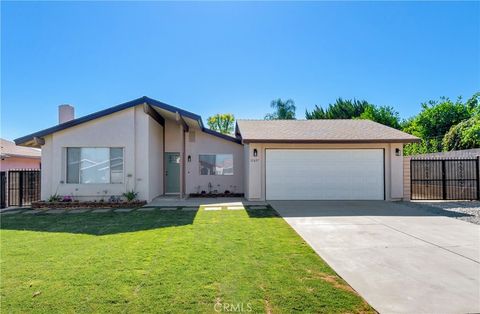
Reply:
x=65 y=113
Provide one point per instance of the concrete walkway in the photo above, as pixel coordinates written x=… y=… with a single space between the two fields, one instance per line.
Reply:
x=400 y=259
x=202 y=201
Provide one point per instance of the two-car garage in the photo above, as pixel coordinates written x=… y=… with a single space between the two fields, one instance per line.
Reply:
x=331 y=159
x=324 y=174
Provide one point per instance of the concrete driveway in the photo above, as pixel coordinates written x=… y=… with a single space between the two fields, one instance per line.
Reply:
x=400 y=259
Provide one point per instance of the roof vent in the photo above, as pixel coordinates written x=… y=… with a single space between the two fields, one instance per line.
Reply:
x=65 y=113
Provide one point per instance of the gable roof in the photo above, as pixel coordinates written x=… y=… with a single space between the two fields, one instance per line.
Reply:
x=9 y=149
x=319 y=131
x=123 y=106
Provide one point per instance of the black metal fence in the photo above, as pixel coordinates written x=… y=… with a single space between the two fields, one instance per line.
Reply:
x=23 y=187
x=445 y=179
x=3 y=187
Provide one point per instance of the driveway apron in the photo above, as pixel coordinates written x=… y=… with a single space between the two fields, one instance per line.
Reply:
x=400 y=259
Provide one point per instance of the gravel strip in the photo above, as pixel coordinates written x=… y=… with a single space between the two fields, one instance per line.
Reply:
x=466 y=211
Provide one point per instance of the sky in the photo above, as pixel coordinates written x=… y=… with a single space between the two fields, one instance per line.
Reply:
x=218 y=57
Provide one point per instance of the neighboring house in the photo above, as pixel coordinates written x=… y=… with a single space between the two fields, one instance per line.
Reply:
x=157 y=149
x=18 y=157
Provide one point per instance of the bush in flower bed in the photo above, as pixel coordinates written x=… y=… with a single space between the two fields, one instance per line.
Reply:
x=216 y=195
x=88 y=204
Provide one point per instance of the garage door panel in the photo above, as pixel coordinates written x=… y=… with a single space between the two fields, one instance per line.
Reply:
x=324 y=174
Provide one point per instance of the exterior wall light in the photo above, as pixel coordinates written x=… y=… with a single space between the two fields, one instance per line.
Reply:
x=189 y=158
x=255 y=152
x=397 y=152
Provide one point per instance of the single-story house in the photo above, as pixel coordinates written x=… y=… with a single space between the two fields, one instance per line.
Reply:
x=158 y=149
x=18 y=157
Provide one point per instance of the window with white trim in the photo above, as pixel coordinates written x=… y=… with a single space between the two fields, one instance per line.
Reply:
x=87 y=165
x=219 y=164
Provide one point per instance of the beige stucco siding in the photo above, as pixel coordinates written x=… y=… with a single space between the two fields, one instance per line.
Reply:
x=173 y=137
x=144 y=144
x=141 y=139
x=155 y=158
x=406 y=178
x=256 y=166
x=396 y=171
x=115 y=130
x=208 y=144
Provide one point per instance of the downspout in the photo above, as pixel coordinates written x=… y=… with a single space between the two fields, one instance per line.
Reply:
x=183 y=162
x=164 y=181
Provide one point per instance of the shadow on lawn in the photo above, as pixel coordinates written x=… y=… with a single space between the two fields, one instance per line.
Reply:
x=359 y=208
x=98 y=224
x=269 y=212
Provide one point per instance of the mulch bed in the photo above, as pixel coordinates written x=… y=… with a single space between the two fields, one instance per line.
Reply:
x=133 y=204
x=209 y=195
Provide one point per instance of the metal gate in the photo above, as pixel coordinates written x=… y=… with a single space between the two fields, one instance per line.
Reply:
x=445 y=179
x=3 y=186
x=23 y=187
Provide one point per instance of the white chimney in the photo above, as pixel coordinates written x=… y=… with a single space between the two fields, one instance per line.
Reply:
x=65 y=113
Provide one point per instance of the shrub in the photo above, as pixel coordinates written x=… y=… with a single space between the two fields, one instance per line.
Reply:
x=55 y=198
x=130 y=195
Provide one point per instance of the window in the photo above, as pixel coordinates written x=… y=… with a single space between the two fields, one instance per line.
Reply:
x=220 y=165
x=94 y=165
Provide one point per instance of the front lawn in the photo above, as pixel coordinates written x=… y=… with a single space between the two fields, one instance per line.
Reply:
x=164 y=261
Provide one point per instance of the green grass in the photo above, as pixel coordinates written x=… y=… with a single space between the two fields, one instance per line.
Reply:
x=164 y=261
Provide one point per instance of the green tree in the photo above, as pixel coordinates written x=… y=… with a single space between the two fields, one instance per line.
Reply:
x=464 y=135
x=356 y=109
x=222 y=122
x=284 y=110
x=434 y=121
x=385 y=115
x=341 y=109
x=437 y=117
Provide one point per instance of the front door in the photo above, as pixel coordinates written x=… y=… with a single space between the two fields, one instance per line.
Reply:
x=172 y=173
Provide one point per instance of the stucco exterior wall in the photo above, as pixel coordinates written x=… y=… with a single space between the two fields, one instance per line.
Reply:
x=141 y=139
x=11 y=163
x=115 y=130
x=255 y=166
x=396 y=171
x=206 y=144
x=155 y=158
x=173 y=137
x=406 y=178
x=144 y=144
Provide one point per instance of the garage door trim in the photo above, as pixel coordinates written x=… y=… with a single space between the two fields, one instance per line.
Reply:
x=311 y=148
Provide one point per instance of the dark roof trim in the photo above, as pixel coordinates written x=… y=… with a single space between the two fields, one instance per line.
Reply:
x=221 y=135
x=320 y=141
x=185 y=126
x=126 y=105
x=154 y=114
x=8 y=155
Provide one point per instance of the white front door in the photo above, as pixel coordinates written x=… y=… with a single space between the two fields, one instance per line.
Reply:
x=324 y=174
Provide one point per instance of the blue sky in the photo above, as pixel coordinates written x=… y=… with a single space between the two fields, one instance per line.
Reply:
x=231 y=57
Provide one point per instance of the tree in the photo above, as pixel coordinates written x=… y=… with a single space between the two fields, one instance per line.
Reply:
x=356 y=109
x=222 y=122
x=437 y=117
x=341 y=109
x=385 y=115
x=434 y=121
x=284 y=110
x=464 y=135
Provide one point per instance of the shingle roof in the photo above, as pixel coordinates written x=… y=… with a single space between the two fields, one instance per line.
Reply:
x=9 y=149
x=126 y=105
x=319 y=131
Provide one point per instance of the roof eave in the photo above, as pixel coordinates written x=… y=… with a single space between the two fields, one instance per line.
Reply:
x=328 y=141
x=27 y=140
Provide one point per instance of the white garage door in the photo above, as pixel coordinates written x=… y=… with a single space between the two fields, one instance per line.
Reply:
x=324 y=174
